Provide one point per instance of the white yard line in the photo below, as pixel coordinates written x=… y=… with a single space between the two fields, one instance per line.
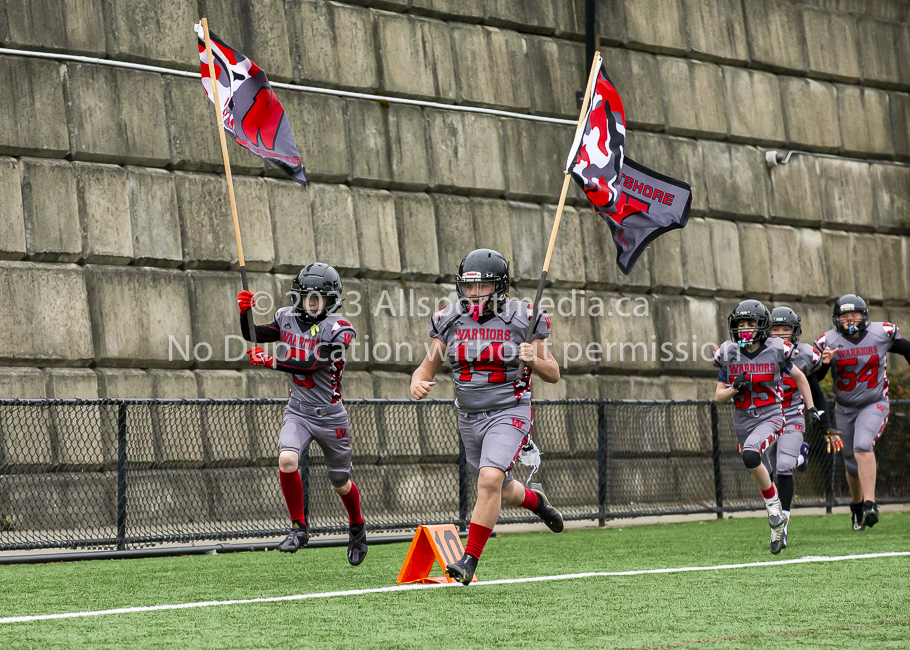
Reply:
x=507 y=581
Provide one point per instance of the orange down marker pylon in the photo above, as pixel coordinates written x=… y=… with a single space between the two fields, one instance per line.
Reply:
x=431 y=544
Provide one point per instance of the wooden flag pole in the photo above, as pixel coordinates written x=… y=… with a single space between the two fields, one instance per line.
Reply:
x=562 y=201
x=227 y=172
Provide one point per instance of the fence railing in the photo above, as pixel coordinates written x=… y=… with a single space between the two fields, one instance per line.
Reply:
x=130 y=473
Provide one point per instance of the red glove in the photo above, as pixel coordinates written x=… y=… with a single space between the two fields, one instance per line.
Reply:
x=258 y=357
x=245 y=301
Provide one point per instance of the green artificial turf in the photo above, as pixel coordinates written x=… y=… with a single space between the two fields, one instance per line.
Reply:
x=855 y=603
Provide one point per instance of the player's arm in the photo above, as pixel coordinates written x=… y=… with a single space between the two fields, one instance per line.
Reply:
x=812 y=414
x=323 y=356
x=724 y=391
x=264 y=333
x=422 y=379
x=902 y=347
x=538 y=357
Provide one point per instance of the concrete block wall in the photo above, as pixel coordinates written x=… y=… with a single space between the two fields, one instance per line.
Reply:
x=116 y=249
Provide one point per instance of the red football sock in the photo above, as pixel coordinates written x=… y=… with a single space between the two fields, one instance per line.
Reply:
x=351 y=502
x=531 y=501
x=477 y=539
x=769 y=493
x=292 y=488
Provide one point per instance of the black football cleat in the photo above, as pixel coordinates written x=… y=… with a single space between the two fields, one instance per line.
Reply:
x=856 y=512
x=870 y=514
x=299 y=536
x=779 y=536
x=463 y=570
x=547 y=513
x=357 y=543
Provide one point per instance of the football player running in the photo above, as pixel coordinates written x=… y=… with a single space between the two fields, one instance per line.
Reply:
x=856 y=352
x=315 y=339
x=483 y=335
x=751 y=367
x=790 y=451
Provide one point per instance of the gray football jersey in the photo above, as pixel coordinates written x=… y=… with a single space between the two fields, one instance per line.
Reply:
x=765 y=366
x=807 y=359
x=860 y=366
x=323 y=385
x=484 y=354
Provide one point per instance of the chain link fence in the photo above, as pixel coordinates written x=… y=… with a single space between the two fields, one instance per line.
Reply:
x=127 y=474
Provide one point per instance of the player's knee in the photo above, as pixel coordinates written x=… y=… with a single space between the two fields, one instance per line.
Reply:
x=863 y=446
x=489 y=482
x=339 y=480
x=751 y=458
x=287 y=461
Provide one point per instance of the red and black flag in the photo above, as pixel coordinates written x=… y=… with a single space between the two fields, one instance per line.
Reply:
x=637 y=203
x=249 y=107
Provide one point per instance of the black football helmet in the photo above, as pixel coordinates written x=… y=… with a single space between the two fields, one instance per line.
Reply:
x=483 y=265
x=847 y=304
x=749 y=310
x=320 y=279
x=788 y=317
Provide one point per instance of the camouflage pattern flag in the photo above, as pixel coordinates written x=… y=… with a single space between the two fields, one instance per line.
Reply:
x=637 y=203
x=249 y=107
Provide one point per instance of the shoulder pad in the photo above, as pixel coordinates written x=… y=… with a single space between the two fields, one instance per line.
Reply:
x=443 y=318
x=891 y=330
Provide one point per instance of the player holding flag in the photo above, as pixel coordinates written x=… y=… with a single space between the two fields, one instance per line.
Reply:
x=483 y=335
x=316 y=339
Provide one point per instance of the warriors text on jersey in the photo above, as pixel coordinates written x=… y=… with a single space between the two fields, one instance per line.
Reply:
x=807 y=359
x=299 y=342
x=764 y=367
x=484 y=354
x=860 y=364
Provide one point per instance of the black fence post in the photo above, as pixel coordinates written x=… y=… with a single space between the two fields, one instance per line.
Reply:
x=832 y=466
x=121 y=476
x=718 y=475
x=602 y=462
x=463 y=487
x=305 y=479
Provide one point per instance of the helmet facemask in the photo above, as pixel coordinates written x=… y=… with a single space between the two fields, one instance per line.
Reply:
x=853 y=325
x=851 y=304
x=476 y=294
x=745 y=332
x=482 y=282
x=786 y=317
x=316 y=280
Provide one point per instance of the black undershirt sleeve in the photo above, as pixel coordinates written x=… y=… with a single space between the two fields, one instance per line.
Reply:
x=324 y=355
x=264 y=333
x=822 y=371
x=901 y=346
